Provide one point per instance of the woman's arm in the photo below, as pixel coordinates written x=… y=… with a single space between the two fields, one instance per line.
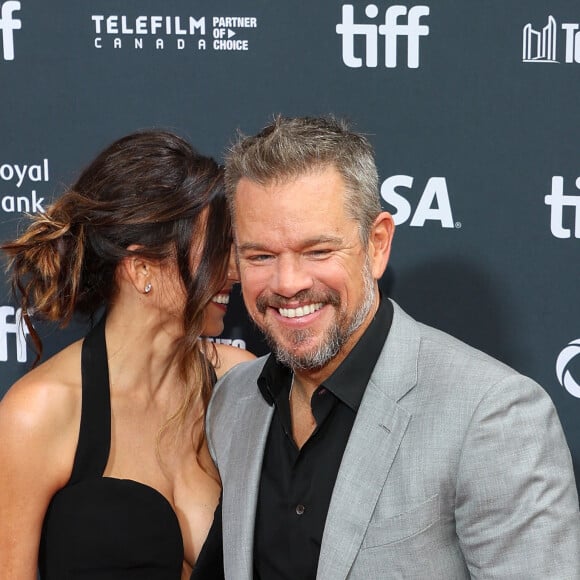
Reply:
x=39 y=424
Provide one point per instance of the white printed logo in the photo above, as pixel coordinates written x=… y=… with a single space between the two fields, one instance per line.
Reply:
x=17 y=174
x=8 y=24
x=391 y=30
x=563 y=368
x=433 y=205
x=223 y=32
x=541 y=45
x=15 y=327
x=161 y=32
x=237 y=342
x=558 y=201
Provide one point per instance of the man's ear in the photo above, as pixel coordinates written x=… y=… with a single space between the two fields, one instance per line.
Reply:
x=380 y=239
x=138 y=271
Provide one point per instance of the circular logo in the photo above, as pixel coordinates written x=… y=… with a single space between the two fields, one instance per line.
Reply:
x=562 y=371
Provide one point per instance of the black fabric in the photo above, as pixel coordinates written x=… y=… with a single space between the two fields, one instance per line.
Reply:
x=296 y=484
x=101 y=528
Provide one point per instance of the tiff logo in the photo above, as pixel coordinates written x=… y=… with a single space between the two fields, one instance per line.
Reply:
x=558 y=201
x=8 y=24
x=17 y=328
x=391 y=30
x=540 y=46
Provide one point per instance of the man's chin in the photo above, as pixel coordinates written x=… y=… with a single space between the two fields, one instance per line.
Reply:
x=305 y=358
x=297 y=344
x=286 y=352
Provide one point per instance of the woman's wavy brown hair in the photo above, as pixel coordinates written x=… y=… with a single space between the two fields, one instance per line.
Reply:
x=152 y=190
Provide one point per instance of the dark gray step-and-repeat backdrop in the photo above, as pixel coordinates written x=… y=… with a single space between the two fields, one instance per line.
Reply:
x=472 y=107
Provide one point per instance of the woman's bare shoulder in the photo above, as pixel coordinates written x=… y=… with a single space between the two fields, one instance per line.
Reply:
x=229 y=356
x=45 y=400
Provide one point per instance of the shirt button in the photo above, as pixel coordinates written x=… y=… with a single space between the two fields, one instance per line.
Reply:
x=300 y=509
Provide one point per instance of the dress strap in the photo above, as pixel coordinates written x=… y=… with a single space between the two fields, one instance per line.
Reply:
x=94 y=442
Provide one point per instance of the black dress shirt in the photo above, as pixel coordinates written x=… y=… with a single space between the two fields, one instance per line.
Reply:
x=296 y=484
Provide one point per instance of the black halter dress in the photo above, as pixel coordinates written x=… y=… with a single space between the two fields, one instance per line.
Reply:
x=101 y=528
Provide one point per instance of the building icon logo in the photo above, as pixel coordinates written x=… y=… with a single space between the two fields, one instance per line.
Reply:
x=541 y=45
x=571 y=351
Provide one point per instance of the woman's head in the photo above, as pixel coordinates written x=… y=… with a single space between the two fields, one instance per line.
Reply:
x=149 y=194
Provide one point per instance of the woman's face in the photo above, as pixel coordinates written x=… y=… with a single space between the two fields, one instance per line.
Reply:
x=172 y=293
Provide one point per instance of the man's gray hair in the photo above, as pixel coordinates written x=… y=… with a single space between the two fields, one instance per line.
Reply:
x=290 y=147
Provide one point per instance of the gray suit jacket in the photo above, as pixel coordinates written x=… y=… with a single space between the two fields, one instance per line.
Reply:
x=456 y=467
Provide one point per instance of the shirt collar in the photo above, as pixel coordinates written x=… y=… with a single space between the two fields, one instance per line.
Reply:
x=349 y=380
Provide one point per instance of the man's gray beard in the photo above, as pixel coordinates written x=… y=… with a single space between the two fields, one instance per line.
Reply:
x=336 y=336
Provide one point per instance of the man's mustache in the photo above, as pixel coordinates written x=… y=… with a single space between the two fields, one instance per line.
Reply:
x=265 y=301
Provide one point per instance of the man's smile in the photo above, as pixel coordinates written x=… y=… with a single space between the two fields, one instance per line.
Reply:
x=300 y=310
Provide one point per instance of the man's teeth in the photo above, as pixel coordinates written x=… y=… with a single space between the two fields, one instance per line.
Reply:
x=221 y=298
x=300 y=311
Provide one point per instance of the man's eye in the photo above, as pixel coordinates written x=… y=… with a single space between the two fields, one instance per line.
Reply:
x=320 y=253
x=256 y=258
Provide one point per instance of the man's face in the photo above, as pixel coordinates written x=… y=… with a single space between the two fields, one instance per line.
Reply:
x=307 y=280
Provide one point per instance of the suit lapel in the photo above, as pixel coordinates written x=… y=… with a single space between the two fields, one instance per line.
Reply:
x=241 y=485
x=376 y=435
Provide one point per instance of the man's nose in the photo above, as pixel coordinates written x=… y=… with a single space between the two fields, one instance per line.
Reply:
x=290 y=276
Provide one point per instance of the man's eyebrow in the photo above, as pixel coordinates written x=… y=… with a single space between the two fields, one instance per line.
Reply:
x=307 y=243
x=251 y=246
x=328 y=239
